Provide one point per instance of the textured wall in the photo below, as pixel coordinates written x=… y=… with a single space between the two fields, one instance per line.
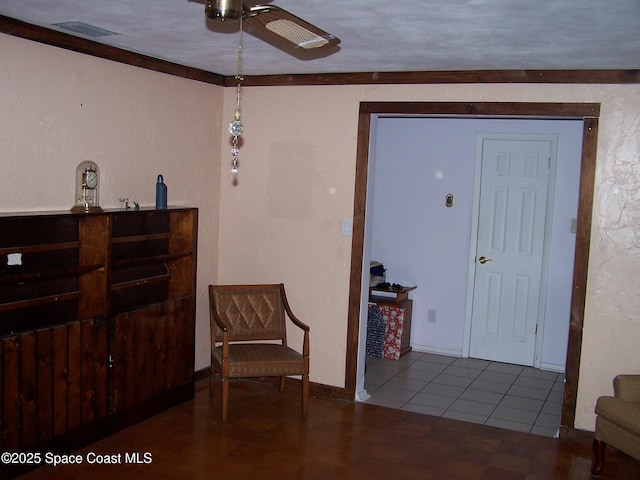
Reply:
x=282 y=221
x=612 y=325
x=60 y=108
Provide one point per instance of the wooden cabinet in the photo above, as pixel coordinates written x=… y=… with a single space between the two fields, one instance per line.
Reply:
x=97 y=323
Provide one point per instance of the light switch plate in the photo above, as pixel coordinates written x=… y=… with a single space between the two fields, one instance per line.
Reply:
x=346 y=227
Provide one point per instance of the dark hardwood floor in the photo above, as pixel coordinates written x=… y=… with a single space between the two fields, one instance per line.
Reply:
x=265 y=438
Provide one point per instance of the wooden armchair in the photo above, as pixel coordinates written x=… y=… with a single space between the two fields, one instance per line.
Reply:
x=249 y=337
x=618 y=421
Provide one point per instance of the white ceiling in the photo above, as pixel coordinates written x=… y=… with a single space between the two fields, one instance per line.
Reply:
x=377 y=35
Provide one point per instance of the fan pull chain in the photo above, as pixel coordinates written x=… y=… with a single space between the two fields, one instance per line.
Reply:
x=239 y=77
x=235 y=127
x=234 y=156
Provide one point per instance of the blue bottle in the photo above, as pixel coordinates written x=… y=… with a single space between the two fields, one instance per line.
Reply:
x=161 y=194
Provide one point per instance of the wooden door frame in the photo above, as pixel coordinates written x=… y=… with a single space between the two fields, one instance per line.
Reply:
x=589 y=113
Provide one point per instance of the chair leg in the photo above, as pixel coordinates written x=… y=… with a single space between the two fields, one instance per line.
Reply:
x=598 y=457
x=225 y=398
x=282 y=383
x=305 y=394
x=212 y=381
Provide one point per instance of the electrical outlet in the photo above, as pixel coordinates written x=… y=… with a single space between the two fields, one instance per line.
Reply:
x=431 y=316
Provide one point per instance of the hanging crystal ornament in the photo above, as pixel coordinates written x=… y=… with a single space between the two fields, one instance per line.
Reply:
x=235 y=127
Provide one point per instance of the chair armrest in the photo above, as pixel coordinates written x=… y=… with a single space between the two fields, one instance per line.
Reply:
x=221 y=325
x=214 y=314
x=225 y=335
x=297 y=322
x=627 y=387
x=304 y=327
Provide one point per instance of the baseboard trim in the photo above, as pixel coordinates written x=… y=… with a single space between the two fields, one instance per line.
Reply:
x=449 y=352
x=582 y=437
x=552 y=367
x=314 y=388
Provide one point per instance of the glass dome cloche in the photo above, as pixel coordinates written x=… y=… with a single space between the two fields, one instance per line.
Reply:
x=87 y=188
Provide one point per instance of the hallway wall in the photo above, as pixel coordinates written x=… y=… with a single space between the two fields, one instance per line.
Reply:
x=421 y=242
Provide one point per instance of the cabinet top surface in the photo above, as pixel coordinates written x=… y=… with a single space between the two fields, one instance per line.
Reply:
x=106 y=211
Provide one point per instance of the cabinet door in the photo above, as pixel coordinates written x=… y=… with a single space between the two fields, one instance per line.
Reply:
x=153 y=351
x=55 y=380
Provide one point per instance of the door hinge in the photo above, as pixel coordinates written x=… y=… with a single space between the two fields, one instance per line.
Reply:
x=536 y=329
x=549 y=164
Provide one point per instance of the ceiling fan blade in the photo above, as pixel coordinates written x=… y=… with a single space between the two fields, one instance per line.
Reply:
x=289 y=33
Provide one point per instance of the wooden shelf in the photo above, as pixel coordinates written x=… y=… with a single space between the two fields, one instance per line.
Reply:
x=140 y=238
x=139 y=282
x=45 y=247
x=167 y=257
x=38 y=301
x=97 y=323
x=39 y=276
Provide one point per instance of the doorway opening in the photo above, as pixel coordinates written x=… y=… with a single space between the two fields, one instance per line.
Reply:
x=588 y=113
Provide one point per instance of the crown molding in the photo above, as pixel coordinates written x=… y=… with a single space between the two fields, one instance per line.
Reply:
x=55 y=38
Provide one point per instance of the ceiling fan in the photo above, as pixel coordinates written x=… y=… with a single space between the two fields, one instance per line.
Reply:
x=275 y=26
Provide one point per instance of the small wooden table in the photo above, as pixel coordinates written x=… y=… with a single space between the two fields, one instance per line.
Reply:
x=401 y=294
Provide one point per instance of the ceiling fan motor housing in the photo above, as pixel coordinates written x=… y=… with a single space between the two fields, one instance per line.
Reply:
x=224 y=10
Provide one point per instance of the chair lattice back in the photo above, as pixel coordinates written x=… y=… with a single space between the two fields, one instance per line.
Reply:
x=250 y=312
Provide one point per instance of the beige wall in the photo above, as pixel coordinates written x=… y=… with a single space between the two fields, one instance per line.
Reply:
x=59 y=108
x=281 y=222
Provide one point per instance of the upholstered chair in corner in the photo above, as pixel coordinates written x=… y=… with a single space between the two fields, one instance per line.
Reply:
x=618 y=421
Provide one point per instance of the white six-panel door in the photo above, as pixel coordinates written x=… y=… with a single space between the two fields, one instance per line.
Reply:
x=509 y=254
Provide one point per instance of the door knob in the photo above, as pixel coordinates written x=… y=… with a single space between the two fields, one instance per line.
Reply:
x=484 y=260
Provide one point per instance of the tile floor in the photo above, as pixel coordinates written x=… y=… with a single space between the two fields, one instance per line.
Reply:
x=479 y=391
